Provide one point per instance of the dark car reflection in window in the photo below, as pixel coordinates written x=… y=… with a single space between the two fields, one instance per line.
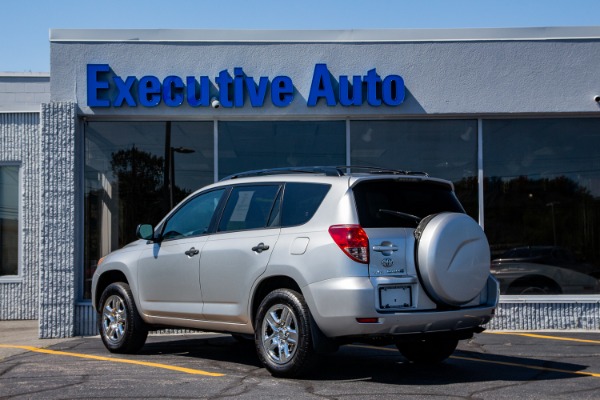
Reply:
x=531 y=270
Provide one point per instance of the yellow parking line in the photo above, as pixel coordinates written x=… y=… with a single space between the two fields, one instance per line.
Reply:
x=117 y=360
x=480 y=360
x=510 y=364
x=534 y=335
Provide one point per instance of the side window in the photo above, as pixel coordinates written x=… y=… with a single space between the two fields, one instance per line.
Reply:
x=248 y=207
x=9 y=220
x=301 y=201
x=194 y=217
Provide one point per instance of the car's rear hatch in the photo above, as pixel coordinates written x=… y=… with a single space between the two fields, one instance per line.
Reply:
x=389 y=211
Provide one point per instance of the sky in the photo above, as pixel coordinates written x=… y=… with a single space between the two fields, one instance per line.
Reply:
x=25 y=24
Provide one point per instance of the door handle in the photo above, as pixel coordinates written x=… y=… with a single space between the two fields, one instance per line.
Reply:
x=192 y=252
x=386 y=248
x=259 y=248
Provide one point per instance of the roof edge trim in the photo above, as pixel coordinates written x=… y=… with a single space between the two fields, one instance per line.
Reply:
x=323 y=36
x=24 y=74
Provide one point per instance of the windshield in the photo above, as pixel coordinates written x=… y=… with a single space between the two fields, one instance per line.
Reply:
x=401 y=204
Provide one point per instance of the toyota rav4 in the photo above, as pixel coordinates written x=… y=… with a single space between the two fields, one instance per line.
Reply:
x=301 y=260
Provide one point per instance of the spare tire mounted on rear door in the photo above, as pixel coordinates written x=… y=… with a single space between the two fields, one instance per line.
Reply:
x=452 y=256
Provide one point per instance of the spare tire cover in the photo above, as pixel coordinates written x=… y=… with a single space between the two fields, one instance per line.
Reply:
x=452 y=257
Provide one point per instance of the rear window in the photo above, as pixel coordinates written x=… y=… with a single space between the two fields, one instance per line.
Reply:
x=400 y=204
x=301 y=201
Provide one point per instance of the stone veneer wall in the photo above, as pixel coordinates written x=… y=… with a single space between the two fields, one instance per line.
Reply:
x=58 y=216
x=547 y=316
x=20 y=145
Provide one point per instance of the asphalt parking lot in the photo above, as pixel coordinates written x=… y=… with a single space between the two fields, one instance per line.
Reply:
x=497 y=365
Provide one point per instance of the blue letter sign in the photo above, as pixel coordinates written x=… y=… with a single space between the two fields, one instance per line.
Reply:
x=106 y=89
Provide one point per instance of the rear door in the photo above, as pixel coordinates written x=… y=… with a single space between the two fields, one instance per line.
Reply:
x=445 y=262
x=238 y=253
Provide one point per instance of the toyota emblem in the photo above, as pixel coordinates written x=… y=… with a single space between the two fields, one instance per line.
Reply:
x=387 y=262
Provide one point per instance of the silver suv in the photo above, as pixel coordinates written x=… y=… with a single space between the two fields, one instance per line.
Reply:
x=301 y=260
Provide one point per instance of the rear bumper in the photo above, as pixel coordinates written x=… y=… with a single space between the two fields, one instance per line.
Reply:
x=337 y=303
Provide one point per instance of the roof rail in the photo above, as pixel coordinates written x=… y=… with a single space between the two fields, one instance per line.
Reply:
x=328 y=171
x=323 y=170
x=379 y=170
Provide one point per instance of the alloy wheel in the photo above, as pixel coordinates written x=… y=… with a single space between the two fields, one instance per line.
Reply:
x=114 y=319
x=280 y=334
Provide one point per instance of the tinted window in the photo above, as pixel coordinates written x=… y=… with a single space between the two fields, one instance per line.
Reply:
x=542 y=194
x=248 y=207
x=194 y=217
x=135 y=172
x=387 y=203
x=445 y=149
x=514 y=253
x=247 y=145
x=301 y=201
x=9 y=220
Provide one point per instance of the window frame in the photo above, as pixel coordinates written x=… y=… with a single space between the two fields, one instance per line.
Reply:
x=483 y=135
x=214 y=219
x=349 y=124
x=18 y=278
x=227 y=197
x=283 y=202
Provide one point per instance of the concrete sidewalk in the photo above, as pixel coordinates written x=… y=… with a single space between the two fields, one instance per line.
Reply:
x=22 y=333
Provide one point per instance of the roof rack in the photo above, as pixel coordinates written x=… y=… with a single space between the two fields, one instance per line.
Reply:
x=323 y=170
x=379 y=170
x=328 y=171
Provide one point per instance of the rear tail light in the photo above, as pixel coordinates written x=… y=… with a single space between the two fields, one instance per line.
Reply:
x=353 y=240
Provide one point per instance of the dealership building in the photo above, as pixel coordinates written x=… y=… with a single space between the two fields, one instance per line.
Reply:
x=128 y=122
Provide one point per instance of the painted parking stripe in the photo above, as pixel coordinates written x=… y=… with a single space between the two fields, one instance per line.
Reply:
x=116 y=360
x=510 y=364
x=482 y=360
x=535 y=335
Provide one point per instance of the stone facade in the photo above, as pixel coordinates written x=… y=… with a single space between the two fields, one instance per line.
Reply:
x=57 y=215
x=20 y=145
x=531 y=315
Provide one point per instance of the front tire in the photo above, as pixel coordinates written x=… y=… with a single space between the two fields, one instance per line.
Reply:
x=283 y=336
x=427 y=351
x=121 y=328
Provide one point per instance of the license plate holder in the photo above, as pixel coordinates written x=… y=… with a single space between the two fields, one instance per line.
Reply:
x=395 y=297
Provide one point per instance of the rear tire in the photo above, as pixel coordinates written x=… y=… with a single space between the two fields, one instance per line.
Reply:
x=427 y=351
x=283 y=336
x=121 y=328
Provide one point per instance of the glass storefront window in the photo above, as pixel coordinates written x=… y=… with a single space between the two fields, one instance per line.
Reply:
x=541 y=187
x=443 y=148
x=542 y=204
x=9 y=220
x=135 y=172
x=247 y=145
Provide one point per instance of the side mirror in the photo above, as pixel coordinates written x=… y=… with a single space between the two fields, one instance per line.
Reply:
x=145 y=231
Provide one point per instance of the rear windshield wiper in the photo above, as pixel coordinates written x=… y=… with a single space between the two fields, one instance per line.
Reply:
x=401 y=214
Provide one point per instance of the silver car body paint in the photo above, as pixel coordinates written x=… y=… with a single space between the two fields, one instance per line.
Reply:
x=214 y=289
